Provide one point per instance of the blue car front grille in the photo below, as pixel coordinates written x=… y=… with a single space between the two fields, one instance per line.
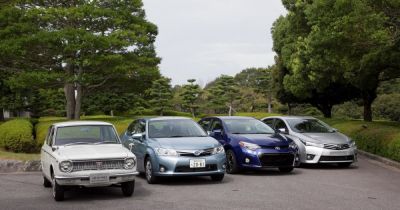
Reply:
x=276 y=160
x=196 y=153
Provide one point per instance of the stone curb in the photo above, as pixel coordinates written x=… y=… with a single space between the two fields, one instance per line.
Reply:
x=380 y=159
x=12 y=166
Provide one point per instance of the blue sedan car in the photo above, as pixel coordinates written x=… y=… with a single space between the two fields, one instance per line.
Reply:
x=251 y=144
x=174 y=146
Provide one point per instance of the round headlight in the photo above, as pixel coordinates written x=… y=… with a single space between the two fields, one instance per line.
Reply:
x=66 y=166
x=129 y=163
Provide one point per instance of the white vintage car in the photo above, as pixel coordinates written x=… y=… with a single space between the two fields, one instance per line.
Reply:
x=88 y=154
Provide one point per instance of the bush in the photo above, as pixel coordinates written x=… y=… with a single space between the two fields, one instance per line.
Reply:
x=16 y=136
x=175 y=113
x=387 y=106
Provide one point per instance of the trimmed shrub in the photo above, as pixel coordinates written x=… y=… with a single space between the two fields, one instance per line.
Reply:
x=16 y=136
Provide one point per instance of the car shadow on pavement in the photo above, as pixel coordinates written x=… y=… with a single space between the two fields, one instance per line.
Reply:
x=327 y=167
x=269 y=172
x=103 y=193
x=188 y=180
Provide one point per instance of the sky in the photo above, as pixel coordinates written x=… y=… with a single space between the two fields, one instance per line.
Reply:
x=202 y=39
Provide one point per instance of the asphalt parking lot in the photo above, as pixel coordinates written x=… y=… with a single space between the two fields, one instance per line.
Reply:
x=366 y=185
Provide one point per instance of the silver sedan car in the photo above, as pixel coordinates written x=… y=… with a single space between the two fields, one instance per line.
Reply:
x=317 y=141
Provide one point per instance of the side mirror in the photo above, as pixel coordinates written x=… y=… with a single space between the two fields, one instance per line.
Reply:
x=217 y=132
x=138 y=136
x=131 y=145
x=54 y=148
x=282 y=131
x=335 y=130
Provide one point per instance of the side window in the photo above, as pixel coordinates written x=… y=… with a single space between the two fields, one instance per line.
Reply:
x=205 y=124
x=50 y=135
x=216 y=125
x=279 y=124
x=131 y=127
x=141 y=126
x=269 y=122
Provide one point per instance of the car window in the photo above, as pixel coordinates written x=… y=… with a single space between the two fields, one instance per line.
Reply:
x=175 y=128
x=205 y=124
x=269 y=122
x=131 y=127
x=50 y=135
x=86 y=134
x=247 y=126
x=217 y=125
x=140 y=127
x=279 y=124
x=309 y=126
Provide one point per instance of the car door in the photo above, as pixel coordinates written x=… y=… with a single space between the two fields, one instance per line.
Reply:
x=217 y=131
x=140 y=143
x=46 y=152
x=126 y=137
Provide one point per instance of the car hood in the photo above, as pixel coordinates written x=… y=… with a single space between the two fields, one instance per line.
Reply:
x=262 y=139
x=187 y=143
x=330 y=138
x=83 y=152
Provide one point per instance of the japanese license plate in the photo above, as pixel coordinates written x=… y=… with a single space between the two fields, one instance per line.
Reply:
x=99 y=178
x=197 y=163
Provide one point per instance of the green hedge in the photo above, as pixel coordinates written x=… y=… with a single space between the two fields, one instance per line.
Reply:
x=16 y=136
x=380 y=138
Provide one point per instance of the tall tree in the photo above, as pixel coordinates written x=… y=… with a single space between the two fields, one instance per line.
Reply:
x=87 y=44
x=223 y=93
x=161 y=95
x=190 y=95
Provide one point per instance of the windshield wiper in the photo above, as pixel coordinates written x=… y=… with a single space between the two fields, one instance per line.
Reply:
x=76 y=143
x=106 y=142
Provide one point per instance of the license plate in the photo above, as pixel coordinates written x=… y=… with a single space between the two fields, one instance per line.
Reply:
x=99 y=178
x=197 y=163
x=338 y=153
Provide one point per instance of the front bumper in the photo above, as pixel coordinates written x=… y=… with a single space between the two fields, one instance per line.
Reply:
x=315 y=155
x=180 y=166
x=267 y=158
x=82 y=178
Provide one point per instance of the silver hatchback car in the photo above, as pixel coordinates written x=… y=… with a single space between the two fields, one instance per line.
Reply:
x=317 y=141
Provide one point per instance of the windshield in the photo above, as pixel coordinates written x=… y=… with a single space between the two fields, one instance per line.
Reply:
x=86 y=134
x=247 y=126
x=175 y=128
x=309 y=126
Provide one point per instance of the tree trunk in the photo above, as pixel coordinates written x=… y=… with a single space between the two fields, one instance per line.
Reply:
x=69 y=92
x=192 y=111
x=326 y=109
x=269 y=103
x=368 y=99
x=78 y=101
x=289 y=109
x=230 y=110
x=1 y=114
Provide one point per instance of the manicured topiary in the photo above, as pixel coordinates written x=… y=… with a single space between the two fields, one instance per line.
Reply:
x=16 y=136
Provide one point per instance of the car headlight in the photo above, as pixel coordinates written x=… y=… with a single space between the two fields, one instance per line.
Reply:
x=66 y=166
x=218 y=150
x=308 y=143
x=166 y=152
x=352 y=143
x=129 y=163
x=249 y=146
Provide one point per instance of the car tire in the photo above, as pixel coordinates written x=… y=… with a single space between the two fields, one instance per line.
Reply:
x=344 y=165
x=46 y=182
x=128 y=188
x=149 y=172
x=286 y=169
x=58 y=190
x=217 y=177
x=231 y=163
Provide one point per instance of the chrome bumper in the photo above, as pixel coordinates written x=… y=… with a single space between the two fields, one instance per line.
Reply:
x=85 y=180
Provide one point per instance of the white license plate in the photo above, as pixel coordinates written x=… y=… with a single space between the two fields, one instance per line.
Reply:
x=99 y=178
x=338 y=153
x=197 y=163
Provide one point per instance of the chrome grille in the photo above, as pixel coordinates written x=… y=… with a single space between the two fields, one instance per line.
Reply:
x=97 y=165
x=196 y=153
x=336 y=146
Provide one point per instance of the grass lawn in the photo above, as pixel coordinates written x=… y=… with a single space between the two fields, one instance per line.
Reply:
x=4 y=155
